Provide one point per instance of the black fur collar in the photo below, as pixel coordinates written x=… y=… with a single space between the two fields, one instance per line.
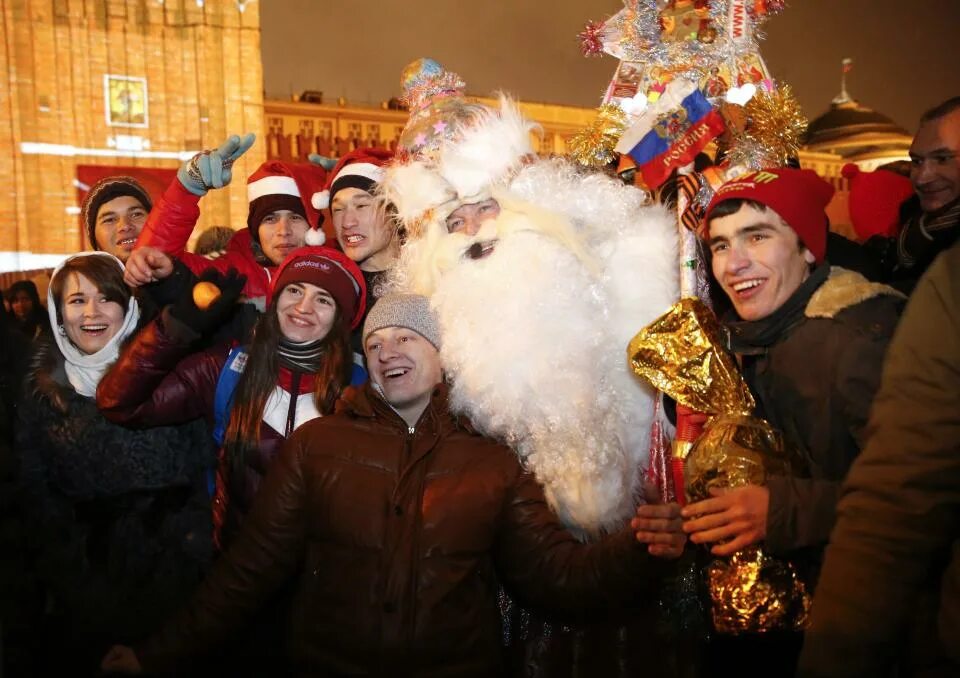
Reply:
x=47 y=379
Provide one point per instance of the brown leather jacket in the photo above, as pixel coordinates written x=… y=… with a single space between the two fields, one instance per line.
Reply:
x=402 y=535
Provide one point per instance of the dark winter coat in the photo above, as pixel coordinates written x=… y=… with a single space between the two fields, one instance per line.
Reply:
x=158 y=380
x=19 y=600
x=402 y=534
x=898 y=531
x=119 y=519
x=813 y=367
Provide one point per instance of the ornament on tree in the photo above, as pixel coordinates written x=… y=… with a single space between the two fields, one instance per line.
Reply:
x=775 y=125
x=593 y=146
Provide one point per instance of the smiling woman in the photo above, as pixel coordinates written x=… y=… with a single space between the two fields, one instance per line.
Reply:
x=90 y=317
x=93 y=312
x=117 y=517
x=253 y=397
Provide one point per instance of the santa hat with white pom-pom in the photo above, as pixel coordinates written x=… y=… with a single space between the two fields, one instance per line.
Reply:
x=361 y=168
x=278 y=185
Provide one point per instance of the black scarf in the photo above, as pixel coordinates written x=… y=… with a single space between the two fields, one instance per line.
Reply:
x=303 y=357
x=753 y=336
x=924 y=236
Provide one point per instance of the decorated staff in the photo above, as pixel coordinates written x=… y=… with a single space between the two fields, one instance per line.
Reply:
x=689 y=74
x=680 y=353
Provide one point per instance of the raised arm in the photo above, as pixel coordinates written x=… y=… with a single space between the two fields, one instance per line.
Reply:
x=173 y=218
x=157 y=380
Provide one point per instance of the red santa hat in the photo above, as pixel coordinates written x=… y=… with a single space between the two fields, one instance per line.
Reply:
x=799 y=196
x=875 y=199
x=361 y=168
x=278 y=185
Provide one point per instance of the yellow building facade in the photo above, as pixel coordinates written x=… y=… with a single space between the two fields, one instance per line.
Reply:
x=122 y=84
x=296 y=129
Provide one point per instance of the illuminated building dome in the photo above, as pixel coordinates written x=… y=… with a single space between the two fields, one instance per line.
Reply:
x=856 y=133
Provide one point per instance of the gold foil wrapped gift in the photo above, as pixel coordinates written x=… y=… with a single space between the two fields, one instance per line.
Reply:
x=681 y=354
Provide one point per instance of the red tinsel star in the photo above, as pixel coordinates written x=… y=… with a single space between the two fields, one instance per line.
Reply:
x=591 y=39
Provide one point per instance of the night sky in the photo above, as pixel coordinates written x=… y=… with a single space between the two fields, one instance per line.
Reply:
x=904 y=51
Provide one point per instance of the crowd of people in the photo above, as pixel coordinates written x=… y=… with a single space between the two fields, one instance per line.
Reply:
x=419 y=450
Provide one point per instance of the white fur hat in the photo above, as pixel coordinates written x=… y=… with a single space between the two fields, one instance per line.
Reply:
x=456 y=149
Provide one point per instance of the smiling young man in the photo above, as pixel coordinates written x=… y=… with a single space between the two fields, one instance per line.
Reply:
x=114 y=212
x=401 y=342
x=362 y=221
x=811 y=341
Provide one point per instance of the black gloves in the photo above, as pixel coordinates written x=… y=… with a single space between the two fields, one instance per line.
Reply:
x=204 y=321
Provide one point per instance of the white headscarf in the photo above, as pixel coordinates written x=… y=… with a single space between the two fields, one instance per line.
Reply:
x=84 y=371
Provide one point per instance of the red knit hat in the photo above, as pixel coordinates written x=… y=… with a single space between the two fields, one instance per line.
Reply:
x=330 y=269
x=875 y=199
x=362 y=168
x=278 y=185
x=800 y=197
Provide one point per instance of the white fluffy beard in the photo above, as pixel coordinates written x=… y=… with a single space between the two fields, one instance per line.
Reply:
x=535 y=362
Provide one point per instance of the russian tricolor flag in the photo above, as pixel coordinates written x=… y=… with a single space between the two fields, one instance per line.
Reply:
x=671 y=132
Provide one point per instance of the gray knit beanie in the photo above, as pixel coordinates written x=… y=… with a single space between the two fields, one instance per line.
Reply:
x=403 y=310
x=104 y=191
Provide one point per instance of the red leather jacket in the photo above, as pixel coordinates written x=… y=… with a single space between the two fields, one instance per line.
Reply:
x=170 y=224
x=400 y=537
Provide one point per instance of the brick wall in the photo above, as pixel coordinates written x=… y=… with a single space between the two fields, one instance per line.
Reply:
x=203 y=79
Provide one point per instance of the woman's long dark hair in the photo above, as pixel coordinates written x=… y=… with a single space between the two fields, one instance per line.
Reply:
x=260 y=377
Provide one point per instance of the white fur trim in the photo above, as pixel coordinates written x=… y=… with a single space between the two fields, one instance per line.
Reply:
x=360 y=169
x=272 y=185
x=315 y=237
x=320 y=200
x=487 y=150
x=483 y=154
x=413 y=188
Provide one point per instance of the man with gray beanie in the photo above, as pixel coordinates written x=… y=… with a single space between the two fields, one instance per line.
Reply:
x=402 y=521
x=401 y=342
x=113 y=213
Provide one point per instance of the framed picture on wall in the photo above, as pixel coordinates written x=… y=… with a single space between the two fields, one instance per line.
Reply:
x=126 y=100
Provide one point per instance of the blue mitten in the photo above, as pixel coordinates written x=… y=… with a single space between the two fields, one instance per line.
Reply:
x=322 y=160
x=213 y=169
